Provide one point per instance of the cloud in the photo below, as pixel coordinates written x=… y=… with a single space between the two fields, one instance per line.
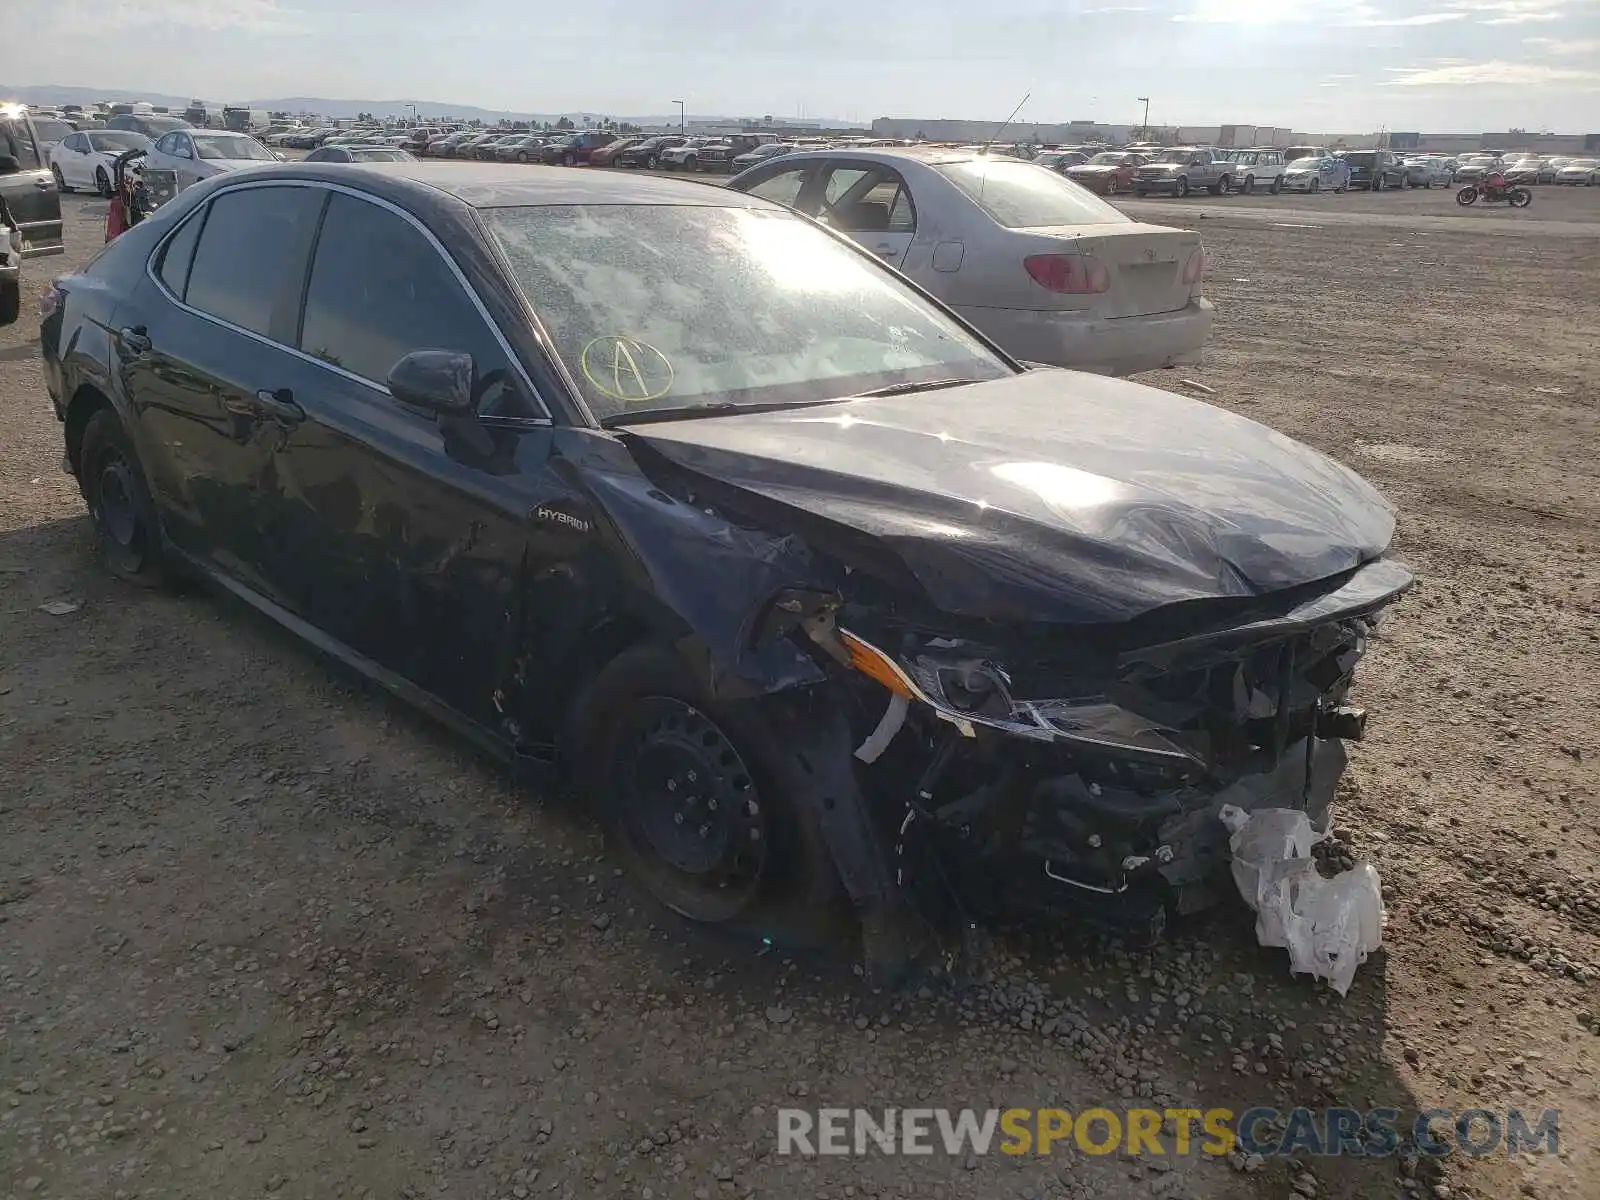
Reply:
x=1437 y=18
x=1574 y=46
x=1488 y=73
x=1510 y=12
x=78 y=18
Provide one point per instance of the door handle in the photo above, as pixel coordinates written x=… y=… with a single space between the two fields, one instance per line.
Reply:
x=280 y=406
x=887 y=251
x=134 y=340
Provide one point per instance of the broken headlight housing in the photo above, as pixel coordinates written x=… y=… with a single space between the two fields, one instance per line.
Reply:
x=964 y=686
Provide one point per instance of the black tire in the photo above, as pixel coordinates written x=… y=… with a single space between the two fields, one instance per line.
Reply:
x=1467 y=195
x=663 y=762
x=653 y=161
x=522 y=156
x=1316 y=186
x=1277 y=185
x=61 y=182
x=567 y=160
x=127 y=533
x=102 y=181
x=1222 y=187
x=1181 y=189
x=1519 y=197
x=1249 y=188
x=10 y=302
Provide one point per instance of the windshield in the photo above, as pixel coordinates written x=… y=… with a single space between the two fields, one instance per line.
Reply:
x=1307 y=164
x=1298 y=152
x=1175 y=156
x=679 y=307
x=117 y=140
x=1361 y=160
x=156 y=126
x=1019 y=195
x=1584 y=163
x=216 y=145
x=1109 y=160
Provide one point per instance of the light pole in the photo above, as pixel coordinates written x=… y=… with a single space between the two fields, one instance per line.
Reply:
x=681 y=123
x=1144 y=129
x=413 y=109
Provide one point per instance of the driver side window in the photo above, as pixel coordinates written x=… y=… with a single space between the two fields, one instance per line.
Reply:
x=379 y=290
x=782 y=188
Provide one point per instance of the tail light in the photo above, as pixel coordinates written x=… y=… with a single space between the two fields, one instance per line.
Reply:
x=1195 y=269
x=1070 y=274
x=49 y=300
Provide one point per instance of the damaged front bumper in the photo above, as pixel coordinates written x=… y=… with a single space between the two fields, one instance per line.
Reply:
x=1107 y=804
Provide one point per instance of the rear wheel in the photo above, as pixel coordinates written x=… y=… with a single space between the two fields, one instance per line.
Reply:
x=522 y=156
x=1377 y=183
x=1249 y=185
x=1111 y=186
x=1223 y=187
x=61 y=182
x=653 y=161
x=694 y=794
x=102 y=181
x=1277 y=185
x=124 y=515
x=1182 y=188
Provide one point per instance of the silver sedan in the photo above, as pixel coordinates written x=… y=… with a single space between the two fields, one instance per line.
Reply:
x=1049 y=270
x=1428 y=170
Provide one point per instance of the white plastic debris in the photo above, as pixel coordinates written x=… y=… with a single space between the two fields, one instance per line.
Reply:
x=1329 y=926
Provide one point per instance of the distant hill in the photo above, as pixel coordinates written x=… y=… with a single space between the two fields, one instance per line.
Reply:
x=50 y=93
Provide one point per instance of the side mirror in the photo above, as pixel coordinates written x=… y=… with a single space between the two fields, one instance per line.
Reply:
x=9 y=165
x=437 y=379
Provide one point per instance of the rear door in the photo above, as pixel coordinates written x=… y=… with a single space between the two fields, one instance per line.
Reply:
x=28 y=188
x=872 y=204
x=200 y=353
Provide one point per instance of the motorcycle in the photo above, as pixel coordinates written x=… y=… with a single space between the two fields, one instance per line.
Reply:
x=1495 y=191
x=135 y=192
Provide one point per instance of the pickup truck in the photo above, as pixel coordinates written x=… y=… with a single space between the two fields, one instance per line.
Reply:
x=1182 y=170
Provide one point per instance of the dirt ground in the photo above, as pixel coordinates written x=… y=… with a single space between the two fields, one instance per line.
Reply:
x=264 y=931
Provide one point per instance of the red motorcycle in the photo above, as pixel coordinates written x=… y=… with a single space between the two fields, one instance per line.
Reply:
x=1493 y=189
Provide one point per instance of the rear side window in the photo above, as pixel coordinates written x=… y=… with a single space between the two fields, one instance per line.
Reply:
x=247 y=251
x=179 y=254
x=379 y=290
x=1019 y=195
x=16 y=139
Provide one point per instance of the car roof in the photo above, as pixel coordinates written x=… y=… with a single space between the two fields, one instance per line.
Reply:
x=930 y=155
x=497 y=185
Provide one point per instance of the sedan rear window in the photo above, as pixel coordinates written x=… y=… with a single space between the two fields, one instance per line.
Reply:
x=50 y=130
x=1019 y=195
x=684 y=307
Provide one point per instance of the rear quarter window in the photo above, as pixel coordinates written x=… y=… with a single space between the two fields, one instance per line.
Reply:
x=1020 y=195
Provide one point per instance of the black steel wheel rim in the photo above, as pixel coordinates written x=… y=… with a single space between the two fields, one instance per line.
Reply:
x=115 y=509
x=689 y=807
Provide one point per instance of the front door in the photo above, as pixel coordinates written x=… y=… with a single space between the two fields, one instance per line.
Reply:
x=408 y=535
x=28 y=188
x=200 y=355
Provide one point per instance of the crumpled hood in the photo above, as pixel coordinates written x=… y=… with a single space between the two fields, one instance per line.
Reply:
x=1050 y=496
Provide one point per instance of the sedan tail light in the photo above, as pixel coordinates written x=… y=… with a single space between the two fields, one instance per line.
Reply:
x=1070 y=274
x=1195 y=269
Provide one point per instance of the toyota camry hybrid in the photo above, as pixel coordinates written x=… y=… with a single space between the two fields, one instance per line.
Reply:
x=684 y=501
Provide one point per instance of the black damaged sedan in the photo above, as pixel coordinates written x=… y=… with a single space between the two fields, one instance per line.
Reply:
x=817 y=596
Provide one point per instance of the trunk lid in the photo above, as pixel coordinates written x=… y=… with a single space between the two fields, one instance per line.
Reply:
x=1145 y=264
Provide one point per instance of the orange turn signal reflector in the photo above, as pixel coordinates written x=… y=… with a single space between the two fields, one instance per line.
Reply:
x=875 y=664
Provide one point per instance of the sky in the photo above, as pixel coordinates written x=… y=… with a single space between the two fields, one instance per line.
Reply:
x=1340 y=66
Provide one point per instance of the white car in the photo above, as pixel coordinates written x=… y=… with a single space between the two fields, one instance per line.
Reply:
x=1314 y=174
x=1257 y=169
x=1048 y=270
x=84 y=160
x=196 y=154
x=1580 y=172
x=1426 y=170
x=683 y=158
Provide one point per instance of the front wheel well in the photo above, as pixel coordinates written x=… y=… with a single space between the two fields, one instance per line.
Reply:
x=85 y=402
